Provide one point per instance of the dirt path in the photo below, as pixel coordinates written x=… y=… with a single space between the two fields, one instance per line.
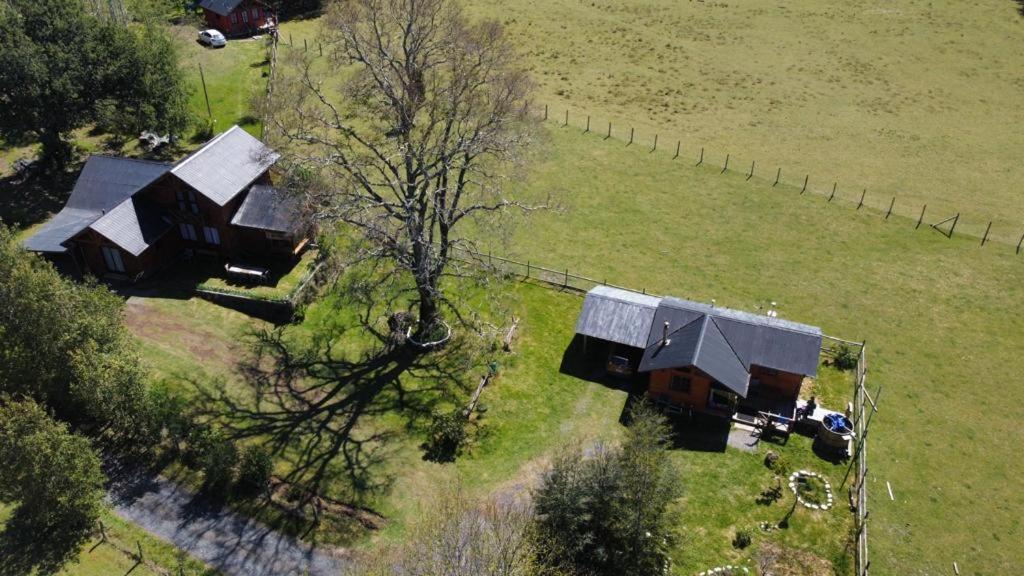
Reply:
x=232 y=543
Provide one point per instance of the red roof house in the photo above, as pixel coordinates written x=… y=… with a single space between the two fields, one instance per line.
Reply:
x=238 y=17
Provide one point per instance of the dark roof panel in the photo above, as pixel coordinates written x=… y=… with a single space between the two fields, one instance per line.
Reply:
x=269 y=208
x=224 y=166
x=618 y=316
x=698 y=343
x=222 y=7
x=134 y=225
x=104 y=183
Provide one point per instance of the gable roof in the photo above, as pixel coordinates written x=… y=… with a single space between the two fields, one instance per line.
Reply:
x=104 y=183
x=617 y=315
x=222 y=7
x=268 y=208
x=225 y=165
x=133 y=225
x=757 y=339
x=700 y=343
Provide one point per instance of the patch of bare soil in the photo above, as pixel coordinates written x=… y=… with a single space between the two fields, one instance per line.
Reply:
x=777 y=560
x=302 y=503
x=207 y=346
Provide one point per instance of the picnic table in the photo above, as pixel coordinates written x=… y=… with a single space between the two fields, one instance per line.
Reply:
x=247 y=272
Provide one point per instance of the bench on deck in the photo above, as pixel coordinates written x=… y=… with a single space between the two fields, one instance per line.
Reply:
x=247 y=273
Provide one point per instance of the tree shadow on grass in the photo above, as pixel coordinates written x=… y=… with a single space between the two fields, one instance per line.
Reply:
x=335 y=419
x=26 y=548
x=28 y=197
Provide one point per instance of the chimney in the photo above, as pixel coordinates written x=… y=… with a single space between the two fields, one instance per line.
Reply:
x=665 y=341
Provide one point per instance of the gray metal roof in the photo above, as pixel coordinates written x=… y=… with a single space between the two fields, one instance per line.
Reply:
x=222 y=7
x=699 y=343
x=756 y=339
x=133 y=225
x=617 y=315
x=104 y=182
x=269 y=208
x=224 y=166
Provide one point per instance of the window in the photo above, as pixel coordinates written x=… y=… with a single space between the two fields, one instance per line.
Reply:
x=234 y=18
x=211 y=235
x=722 y=399
x=679 y=383
x=112 y=257
x=187 y=201
x=188 y=232
x=245 y=16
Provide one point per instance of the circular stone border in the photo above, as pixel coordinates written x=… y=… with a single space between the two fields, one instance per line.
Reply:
x=829 y=500
x=730 y=569
x=435 y=343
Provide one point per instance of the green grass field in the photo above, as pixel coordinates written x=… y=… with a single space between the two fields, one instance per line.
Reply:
x=915 y=99
x=937 y=314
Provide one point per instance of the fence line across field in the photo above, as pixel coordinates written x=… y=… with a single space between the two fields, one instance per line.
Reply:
x=834 y=193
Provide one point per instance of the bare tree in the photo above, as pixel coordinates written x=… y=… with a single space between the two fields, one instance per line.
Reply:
x=457 y=538
x=415 y=130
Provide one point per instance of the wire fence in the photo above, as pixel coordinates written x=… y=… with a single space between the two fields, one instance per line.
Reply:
x=947 y=225
x=864 y=408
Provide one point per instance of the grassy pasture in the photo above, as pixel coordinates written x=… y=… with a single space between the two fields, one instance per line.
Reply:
x=915 y=99
x=938 y=316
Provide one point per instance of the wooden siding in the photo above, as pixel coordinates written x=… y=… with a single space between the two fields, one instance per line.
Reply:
x=240 y=27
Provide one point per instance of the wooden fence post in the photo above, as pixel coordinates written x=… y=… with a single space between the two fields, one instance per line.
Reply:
x=566 y=118
x=953 y=227
x=206 y=94
x=701 y=161
x=985 y=237
x=833 y=194
x=630 y=136
x=679 y=145
x=103 y=532
x=566 y=283
x=862 y=195
x=588 y=124
x=609 y=131
x=891 y=204
x=726 y=166
x=1019 y=242
x=138 y=544
x=655 y=147
x=921 y=218
x=751 y=175
x=290 y=43
x=527 y=268
x=305 y=45
x=777 y=176
x=806 y=178
x=545 y=111
x=321 y=45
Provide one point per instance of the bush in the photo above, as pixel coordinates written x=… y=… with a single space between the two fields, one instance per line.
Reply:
x=218 y=463
x=254 y=470
x=447 y=435
x=777 y=463
x=846 y=357
x=742 y=539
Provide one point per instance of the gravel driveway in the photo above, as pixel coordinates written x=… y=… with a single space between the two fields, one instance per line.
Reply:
x=232 y=543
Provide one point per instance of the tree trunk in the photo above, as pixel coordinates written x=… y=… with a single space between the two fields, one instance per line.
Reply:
x=56 y=151
x=430 y=313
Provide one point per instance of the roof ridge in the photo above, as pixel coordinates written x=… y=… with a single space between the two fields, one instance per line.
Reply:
x=204 y=147
x=731 y=347
x=700 y=337
x=774 y=322
x=129 y=158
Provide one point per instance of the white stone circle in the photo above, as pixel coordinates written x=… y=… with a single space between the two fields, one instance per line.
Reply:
x=829 y=500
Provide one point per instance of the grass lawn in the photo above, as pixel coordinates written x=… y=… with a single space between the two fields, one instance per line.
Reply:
x=914 y=99
x=284 y=279
x=533 y=410
x=937 y=315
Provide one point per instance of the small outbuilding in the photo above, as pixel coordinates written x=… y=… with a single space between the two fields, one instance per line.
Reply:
x=239 y=17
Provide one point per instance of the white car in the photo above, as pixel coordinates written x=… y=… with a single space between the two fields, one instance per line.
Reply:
x=212 y=38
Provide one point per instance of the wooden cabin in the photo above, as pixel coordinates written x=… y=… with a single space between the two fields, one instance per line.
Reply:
x=127 y=218
x=238 y=17
x=703 y=358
